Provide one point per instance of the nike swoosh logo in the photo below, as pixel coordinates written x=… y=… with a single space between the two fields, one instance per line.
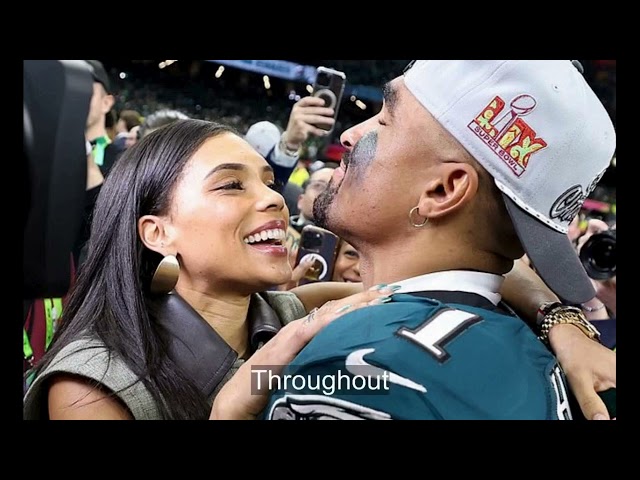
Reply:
x=357 y=365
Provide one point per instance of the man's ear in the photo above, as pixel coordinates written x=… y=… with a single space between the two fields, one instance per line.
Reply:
x=452 y=186
x=155 y=234
x=108 y=101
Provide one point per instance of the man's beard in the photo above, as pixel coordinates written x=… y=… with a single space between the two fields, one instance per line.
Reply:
x=322 y=204
x=357 y=161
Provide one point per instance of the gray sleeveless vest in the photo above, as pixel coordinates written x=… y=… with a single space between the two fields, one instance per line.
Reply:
x=195 y=347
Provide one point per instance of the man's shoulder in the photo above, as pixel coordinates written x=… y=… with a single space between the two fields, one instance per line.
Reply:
x=419 y=326
x=447 y=360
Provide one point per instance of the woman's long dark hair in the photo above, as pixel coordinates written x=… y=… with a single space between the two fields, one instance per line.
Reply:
x=109 y=299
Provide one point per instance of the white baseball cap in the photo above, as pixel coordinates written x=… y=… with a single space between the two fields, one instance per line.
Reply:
x=538 y=128
x=263 y=136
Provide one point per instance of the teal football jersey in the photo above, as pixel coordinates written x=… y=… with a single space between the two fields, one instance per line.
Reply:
x=418 y=358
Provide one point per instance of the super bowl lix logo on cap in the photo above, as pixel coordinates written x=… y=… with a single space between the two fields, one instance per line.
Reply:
x=506 y=133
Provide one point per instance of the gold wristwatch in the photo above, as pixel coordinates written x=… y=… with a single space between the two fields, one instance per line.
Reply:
x=551 y=314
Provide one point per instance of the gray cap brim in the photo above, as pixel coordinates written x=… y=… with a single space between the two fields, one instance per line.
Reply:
x=553 y=256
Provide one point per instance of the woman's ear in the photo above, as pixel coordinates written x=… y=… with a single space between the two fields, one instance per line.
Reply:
x=154 y=234
x=451 y=187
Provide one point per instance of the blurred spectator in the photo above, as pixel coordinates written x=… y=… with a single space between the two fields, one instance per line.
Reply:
x=575 y=228
x=347 y=266
x=132 y=137
x=263 y=136
x=282 y=149
x=105 y=152
x=601 y=311
x=160 y=119
x=316 y=184
x=127 y=120
x=291 y=194
x=300 y=174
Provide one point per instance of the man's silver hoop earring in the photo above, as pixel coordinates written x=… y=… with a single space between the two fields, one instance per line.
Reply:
x=417 y=225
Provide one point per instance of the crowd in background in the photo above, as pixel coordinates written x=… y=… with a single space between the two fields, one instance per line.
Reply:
x=239 y=98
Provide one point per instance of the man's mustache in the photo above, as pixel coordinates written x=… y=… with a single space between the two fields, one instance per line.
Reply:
x=364 y=149
x=346 y=157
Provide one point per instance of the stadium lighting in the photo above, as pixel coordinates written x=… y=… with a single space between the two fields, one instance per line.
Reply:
x=166 y=63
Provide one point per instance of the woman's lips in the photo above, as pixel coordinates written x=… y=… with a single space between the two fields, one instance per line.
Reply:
x=266 y=248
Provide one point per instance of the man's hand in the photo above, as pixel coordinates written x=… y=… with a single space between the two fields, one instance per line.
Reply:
x=590 y=368
x=306 y=115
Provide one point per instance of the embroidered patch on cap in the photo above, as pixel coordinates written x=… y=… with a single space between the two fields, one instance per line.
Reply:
x=506 y=133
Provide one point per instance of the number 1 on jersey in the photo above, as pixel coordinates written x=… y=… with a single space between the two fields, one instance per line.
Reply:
x=439 y=330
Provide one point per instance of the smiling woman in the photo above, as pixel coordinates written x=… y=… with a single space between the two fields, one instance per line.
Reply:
x=186 y=240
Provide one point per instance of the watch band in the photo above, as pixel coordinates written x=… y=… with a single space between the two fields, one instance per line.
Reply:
x=284 y=147
x=544 y=310
x=558 y=314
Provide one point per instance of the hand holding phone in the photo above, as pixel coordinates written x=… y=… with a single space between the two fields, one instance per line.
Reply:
x=316 y=114
x=321 y=247
x=329 y=86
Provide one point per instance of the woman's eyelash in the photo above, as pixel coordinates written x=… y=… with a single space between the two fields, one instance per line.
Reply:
x=238 y=186
x=231 y=186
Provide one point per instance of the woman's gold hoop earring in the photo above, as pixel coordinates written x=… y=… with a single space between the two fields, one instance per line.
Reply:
x=166 y=275
x=417 y=225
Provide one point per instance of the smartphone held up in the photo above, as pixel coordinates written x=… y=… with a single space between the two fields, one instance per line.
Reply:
x=329 y=86
x=321 y=246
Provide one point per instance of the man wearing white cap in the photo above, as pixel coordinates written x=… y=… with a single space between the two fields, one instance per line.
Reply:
x=469 y=165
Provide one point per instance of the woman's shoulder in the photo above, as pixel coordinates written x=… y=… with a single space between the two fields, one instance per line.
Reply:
x=89 y=358
x=86 y=354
